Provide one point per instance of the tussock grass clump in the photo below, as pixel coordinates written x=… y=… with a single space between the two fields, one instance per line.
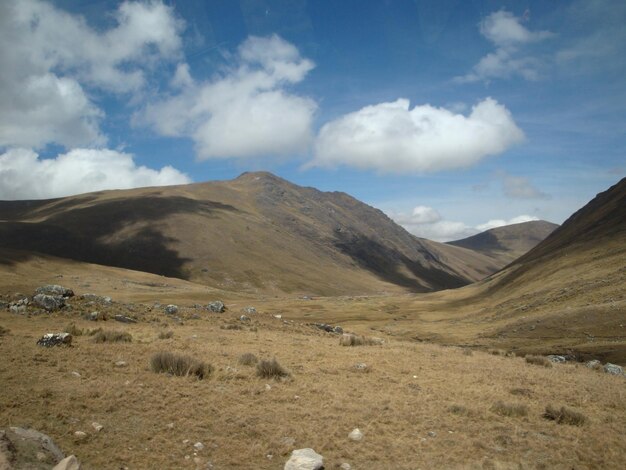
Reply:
x=459 y=410
x=510 y=410
x=349 y=339
x=74 y=330
x=112 y=336
x=497 y=352
x=3 y=331
x=467 y=352
x=94 y=332
x=271 y=370
x=231 y=326
x=177 y=364
x=564 y=416
x=524 y=392
x=539 y=360
x=248 y=359
x=166 y=334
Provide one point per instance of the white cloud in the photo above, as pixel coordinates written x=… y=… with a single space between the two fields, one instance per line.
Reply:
x=23 y=175
x=246 y=111
x=520 y=187
x=49 y=57
x=391 y=137
x=501 y=222
x=509 y=36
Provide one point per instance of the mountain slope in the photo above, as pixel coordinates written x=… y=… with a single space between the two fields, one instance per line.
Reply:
x=256 y=233
x=505 y=244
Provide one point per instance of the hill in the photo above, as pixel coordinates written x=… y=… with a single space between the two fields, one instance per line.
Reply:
x=506 y=244
x=257 y=233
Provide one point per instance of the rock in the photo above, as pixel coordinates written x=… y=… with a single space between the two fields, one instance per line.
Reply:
x=360 y=366
x=37 y=441
x=76 y=374
x=249 y=310
x=68 y=463
x=345 y=466
x=594 y=364
x=97 y=426
x=305 y=459
x=55 y=339
x=54 y=289
x=556 y=358
x=96 y=298
x=95 y=316
x=324 y=327
x=356 y=435
x=121 y=364
x=288 y=441
x=18 y=306
x=613 y=369
x=217 y=306
x=198 y=446
x=268 y=387
x=124 y=319
x=244 y=318
x=278 y=316
x=338 y=330
x=432 y=434
x=49 y=302
x=171 y=309
x=80 y=435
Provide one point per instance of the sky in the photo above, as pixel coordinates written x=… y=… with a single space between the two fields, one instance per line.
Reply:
x=451 y=116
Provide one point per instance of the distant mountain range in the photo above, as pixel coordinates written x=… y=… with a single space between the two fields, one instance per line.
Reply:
x=257 y=233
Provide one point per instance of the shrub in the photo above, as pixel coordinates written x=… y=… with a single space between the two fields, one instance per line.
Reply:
x=459 y=410
x=166 y=334
x=3 y=331
x=511 y=410
x=178 y=364
x=271 y=369
x=112 y=336
x=248 y=359
x=564 y=416
x=74 y=330
x=539 y=360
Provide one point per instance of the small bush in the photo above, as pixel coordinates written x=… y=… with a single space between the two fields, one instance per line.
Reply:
x=539 y=360
x=231 y=326
x=271 y=370
x=74 y=330
x=112 y=336
x=459 y=410
x=497 y=352
x=248 y=359
x=178 y=364
x=349 y=339
x=511 y=410
x=564 y=416
x=524 y=392
x=3 y=331
x=166 y=334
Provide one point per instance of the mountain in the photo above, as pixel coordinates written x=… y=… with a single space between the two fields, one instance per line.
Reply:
x=257 y=233
x=505 y=244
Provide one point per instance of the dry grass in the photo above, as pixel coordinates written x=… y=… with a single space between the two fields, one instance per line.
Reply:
x=538 y=360
x=271 y=370
x=3 y=331
x=514 y=410
x=165 y=362
x=112 y=336
x=248 y=359
x=74 y=330
x=166 y=334
x=349 y=339
x=564 y=415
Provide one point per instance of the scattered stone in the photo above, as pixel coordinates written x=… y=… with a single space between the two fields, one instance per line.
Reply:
x=338 y=330
x=557 y=358
x=169 y=425
x=268 y=387
x=76 y=374
x=96 y=298
x=171 y=309
x=594 y=364
x=97 y=426
x=613 y=369
x=54 y=289
x=217 y=306
x=432 y=434
x=68 y=463
x=278 y=316
x=55 y=339
x=121 y=364
x=95 y=316
x=360 y=366
x=244 y=318
x=18 y=306
x=305 y=459
x=345 y=466
x=124 y=319
x=249 y=310
x=198 y=446
x=356 y=435
x=49 y=302
x=288 y=441
x=80 y=435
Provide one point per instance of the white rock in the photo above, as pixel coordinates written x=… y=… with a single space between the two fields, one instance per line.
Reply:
x=121 y=364
x=169 y=425
x=68 y=463
x=304 y=459
x=278 y=316
x=345 y=466
x=80 y=434
x=356 y=435
x=198 y=446
x=268 y=387
x=97 y=426
x=76 y=374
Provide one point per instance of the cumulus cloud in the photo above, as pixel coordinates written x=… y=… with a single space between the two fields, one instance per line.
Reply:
x=426 y=222
x=505 y=31
x=24 y=175
x=49 y=58
x=247 y=111
x=520 y=187
x=501 y=222
x=391 y=137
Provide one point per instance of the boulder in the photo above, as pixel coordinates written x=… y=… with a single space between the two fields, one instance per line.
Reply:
x=124 y=319
x=18 y=306
x=613 y=369
x=55 y=339
x=171 y=309
x=53 y=289
x=556 y=358
x=217 y=306
x=49 y=302
x=305 y=459
x=68 y=463
x=338 y=330
x=594 y=364
x=95 y=316
x=244 y=318
x=28 y=443
x=249 y=310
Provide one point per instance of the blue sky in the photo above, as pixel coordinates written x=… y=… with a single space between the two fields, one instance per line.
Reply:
x=451 y=116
